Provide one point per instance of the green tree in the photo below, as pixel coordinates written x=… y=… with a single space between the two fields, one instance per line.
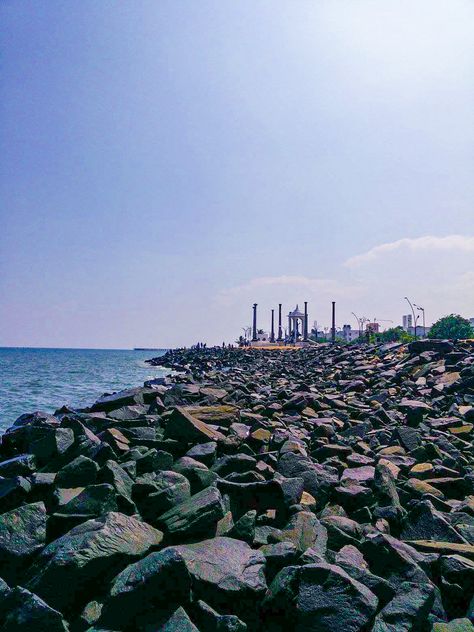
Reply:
x=395 y=334
x=453 y=327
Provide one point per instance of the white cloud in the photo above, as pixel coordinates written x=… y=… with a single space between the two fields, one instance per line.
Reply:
x=428 y=243
x=297 y=283
x=435 y=272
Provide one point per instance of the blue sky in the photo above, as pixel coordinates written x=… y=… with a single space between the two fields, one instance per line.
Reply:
x=166 y=164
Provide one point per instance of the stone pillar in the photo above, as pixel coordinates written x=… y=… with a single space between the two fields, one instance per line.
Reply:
x=333 y=328
x=280 y=331
x=272 y=335
x=305 y=324
x=254 y=328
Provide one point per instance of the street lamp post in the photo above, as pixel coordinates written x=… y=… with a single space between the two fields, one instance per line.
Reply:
x=422 y=310
x=415 y=317
x=363 y=320
x=358 y=323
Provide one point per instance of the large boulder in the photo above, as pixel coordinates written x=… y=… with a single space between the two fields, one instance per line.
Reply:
x=319 y=480
x=24 y=611
x=27 y=429
x=438 y=346
x=178 y=621
x=426 y=523
x=154 y=585
x=189 y=429
x=21 y=465
x=395 y=561
x=317 y=597
x=196 y=517
x=67 y=569
x=408 y=610
x=218 y=415
x=113 y=474
x=22 y=534
x=305 y=531
x=158 y=493
x=80 y=472
x=13 y=491
x=91 y=501
x=209 y=619
x=263 y=495
x=128 y=397
x=227 y=574
x=48 y=443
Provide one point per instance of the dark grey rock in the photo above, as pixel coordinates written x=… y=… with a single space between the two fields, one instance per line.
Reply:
x=79 y=472
x=22 y=534
x=407 y=611
x=198 y=474
x=211 y=621
x=319 y=480
x=178 y=621
x=278 y=556
x=93 y=551
x=227 y=574
x=158 y=583
x=195 y=517
x=188 y=429
x=203 y=452
x=244 y=527
x=21 y=465
x=13 y=491
x=94 y=500
x=113 y=474
x=164 y=491
x=320 y=597
x=424 y=522
x=24 y=611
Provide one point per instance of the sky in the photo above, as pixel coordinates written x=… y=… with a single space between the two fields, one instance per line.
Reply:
x=164 y=165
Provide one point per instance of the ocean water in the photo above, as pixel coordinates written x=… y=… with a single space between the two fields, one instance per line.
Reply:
x=45 y=379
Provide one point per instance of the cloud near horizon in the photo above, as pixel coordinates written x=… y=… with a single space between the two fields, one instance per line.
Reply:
x=297 y=283
x=436 y=272
x=457 y=243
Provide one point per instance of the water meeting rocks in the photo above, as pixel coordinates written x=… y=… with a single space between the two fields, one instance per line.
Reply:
x=329 y=488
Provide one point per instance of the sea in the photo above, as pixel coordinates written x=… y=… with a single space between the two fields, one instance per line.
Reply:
x=45 y=379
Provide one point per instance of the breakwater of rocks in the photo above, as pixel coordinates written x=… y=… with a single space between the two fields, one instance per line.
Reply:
x=325 y=489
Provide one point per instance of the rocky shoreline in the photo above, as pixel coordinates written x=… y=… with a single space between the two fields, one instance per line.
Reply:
x=325 y=489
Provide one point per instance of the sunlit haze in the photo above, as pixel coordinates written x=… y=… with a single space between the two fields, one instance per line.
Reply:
x=167 y=164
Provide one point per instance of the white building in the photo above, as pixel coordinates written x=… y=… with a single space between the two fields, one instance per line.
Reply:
x=348 y=334
x=407 y=320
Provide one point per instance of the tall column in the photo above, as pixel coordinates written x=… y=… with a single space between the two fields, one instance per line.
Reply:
x=333 y=328
x=305 y=324
x=272 y=335
x=280 y=332
x=254 y=332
